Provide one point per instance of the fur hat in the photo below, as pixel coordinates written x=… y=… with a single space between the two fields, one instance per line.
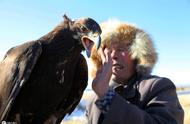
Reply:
x=141 y=48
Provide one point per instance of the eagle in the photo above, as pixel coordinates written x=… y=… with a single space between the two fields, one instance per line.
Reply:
x=43 y=80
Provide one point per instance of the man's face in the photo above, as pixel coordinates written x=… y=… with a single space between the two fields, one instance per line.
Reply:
x=123 y=66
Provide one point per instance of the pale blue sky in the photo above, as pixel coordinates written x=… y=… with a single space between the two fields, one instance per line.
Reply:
x=167 y=22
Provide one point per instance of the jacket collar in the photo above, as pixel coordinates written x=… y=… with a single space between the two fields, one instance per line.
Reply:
x=127 y=90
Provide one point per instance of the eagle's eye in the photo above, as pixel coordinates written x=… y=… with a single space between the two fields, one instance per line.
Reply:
x=83 y=28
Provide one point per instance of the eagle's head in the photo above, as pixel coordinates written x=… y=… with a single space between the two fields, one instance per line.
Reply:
x=88 y=32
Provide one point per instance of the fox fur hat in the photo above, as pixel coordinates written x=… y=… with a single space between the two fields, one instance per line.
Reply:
x=141 y=48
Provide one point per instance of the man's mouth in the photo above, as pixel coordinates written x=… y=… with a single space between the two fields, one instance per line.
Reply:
x=117 y=67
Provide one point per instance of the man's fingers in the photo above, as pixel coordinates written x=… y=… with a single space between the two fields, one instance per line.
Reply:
x=107 y=55
x=102 y=55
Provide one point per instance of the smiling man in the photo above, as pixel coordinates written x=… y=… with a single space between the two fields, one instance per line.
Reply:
x=125 y=90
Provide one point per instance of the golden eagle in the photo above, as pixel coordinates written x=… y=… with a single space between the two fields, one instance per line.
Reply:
x=43 y=80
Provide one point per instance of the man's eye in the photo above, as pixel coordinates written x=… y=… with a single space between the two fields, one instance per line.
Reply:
x=121 y=49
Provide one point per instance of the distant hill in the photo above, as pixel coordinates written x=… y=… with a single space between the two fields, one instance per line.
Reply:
x=183 y=88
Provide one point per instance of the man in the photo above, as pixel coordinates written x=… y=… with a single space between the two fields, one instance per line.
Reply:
x=125 y=90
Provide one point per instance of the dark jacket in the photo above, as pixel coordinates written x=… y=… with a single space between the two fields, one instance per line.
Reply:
x=148 y=100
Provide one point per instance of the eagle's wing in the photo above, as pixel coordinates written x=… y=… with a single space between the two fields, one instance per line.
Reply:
x=79 y=84
x=15 y=70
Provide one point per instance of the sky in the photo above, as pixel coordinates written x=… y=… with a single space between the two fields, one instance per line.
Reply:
x=166 y=21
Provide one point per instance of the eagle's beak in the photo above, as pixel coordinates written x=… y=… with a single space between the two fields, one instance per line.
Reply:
x=88 y=43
